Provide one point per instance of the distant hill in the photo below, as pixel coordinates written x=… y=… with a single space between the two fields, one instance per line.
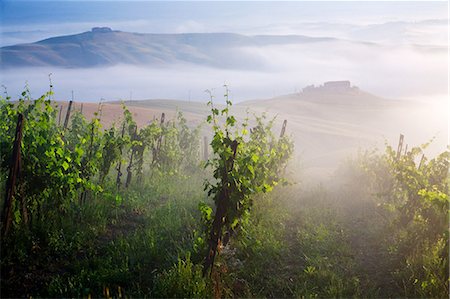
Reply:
x=104 y=47
x=331 y=123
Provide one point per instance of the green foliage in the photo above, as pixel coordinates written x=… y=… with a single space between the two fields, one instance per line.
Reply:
x=61 y=168
x=53 y=166
x=188 y=142
x=110 y=152
x=255 y=167
x=412 y=196
x=180 y=147
x=145 y=140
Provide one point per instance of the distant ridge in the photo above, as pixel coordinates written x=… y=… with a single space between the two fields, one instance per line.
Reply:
x=103 y=46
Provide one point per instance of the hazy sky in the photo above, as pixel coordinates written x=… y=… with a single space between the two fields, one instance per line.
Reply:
x=26 y=21
x=407 y=56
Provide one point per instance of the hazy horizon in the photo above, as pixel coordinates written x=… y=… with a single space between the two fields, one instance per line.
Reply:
x=391 y=49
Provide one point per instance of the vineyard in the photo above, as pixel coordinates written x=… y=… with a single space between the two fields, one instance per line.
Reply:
x=161 y=210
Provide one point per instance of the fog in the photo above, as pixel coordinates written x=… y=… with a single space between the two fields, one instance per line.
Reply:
x=390 y=72
x=327 y=131
x=391 y=49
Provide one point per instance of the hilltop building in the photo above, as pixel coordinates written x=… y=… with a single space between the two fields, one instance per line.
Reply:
x=101 y=29
x=337 y=85
x=332 y=86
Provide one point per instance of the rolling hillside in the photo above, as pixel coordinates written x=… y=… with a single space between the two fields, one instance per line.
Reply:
x=327 y=125
x=105 y=47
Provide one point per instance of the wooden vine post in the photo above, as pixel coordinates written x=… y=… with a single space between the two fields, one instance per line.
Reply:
x=159 y=142
x=119 y=165
x=422 y=160
x=220 y=216
x=205 y=148
x=283 y=129
x=84 y=170
x=12 y=178
x=400 y=146
x=59 y=115
x=66 y=121
x=130 y=164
